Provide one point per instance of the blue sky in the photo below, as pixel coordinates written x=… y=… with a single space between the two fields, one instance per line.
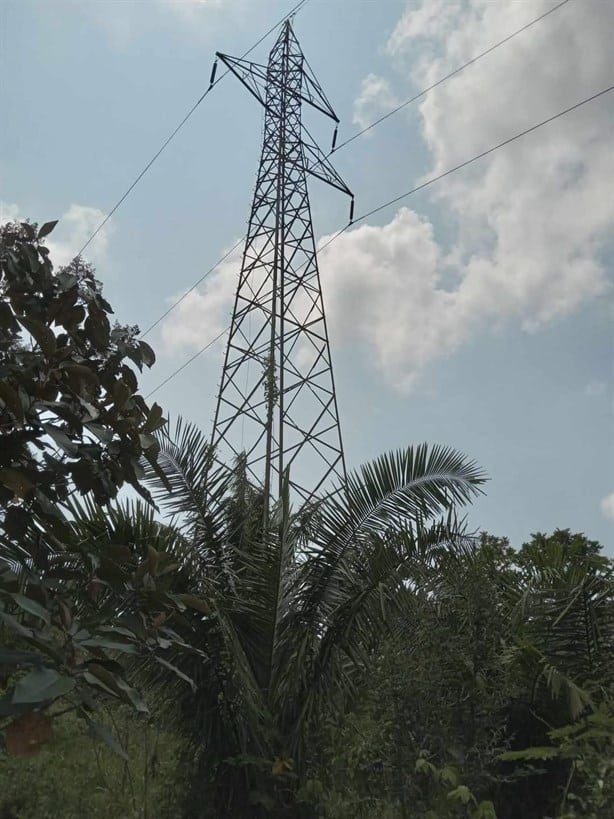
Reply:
x=477 y=313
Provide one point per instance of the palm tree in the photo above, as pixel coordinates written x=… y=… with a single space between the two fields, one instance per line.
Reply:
x=286 y=617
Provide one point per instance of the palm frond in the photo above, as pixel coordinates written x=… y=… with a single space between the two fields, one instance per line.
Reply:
x=194 y=482
x=404 y=489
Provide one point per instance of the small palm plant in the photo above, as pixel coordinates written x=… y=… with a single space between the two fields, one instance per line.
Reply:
x=285 y=618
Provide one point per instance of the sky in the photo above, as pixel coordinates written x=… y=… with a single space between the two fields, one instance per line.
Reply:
x=477 y=313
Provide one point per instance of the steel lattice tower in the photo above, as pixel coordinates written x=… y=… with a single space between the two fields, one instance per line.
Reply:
x=277 y=401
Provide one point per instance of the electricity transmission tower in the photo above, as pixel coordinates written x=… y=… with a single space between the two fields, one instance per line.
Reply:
x=277 y=401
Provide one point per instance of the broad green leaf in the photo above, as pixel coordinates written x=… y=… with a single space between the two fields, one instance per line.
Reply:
x=104 y=734
x=93 y=679
x=42 y=684
x=46 y=229
x=12 y=657
x=147 y=354
x=11 y=399
x=154 y=419
x=176 y=671
x=61 y=439
x=32 y=607
x=43 y=336
x=485 y=810
x=461 y=794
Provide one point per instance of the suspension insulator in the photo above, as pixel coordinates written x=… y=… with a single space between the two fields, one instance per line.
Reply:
x=212 y=77
x=334 y=138
x=352 y=210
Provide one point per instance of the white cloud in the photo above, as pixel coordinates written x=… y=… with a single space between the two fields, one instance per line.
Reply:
x=595 y=389
x=376 y=97
x=72 y=232
x=533 y=220
x=204 y=312
x=8 y=212
x=382 y=286
x=607 y=506
x=431 y=18
x=74 y=228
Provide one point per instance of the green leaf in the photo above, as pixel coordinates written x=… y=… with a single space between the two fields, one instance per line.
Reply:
x=154 y=419
x=147 y=440
x=32 y=607
x=43 y=336
x=424 y=766
x=10 y=657
x=61 y=439
x=530 y=753
x=461 y=794
x=485 y=810
x=14 y=624
x=11 y=399
x=133 y=696
x=46 y=229
x=82 y=373
x=93 y=679
x=42 y=684
x=104 y=734
x=147 y=354
x=104 y=434
x=177 y=671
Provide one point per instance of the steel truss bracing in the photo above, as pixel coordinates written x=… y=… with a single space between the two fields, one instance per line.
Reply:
x=277 y=401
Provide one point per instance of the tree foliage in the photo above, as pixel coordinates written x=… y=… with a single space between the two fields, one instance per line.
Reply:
x=503 y=674
x=72 y=423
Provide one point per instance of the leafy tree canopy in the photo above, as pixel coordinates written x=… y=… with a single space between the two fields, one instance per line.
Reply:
x=72 y=422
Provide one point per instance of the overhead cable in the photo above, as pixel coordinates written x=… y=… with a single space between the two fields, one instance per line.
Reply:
x=449 y=75
x=193 y=287
x=481 y=155
x=188 y=362
x=413 y=190
x=169 y=139
x=368 y=128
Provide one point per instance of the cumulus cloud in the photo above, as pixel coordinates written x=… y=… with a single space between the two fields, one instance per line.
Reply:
x=8 y=212
x=376 y=97
x=382 y=286
x=204 y=312
x=432 y=18
x=74 y=228
x=72 y=232
x=532 y=221
x=607 y=506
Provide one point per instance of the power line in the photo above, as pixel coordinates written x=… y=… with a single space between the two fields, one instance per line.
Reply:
x=169 y=139
x=364 y=131
x=396 y=199
x=450 y=75
x=193 y=287
x=188 y=362
x=483 y=154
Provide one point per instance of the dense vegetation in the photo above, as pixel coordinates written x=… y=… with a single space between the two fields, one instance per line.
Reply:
x=358 y=657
